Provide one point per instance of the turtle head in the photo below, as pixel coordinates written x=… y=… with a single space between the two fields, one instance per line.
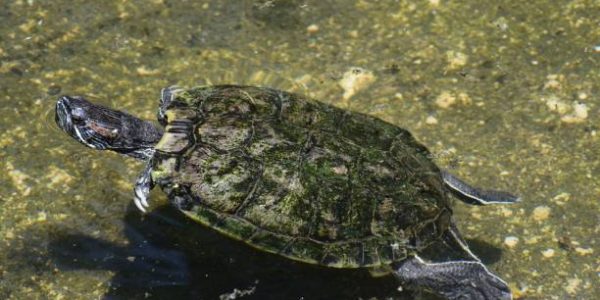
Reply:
x=102 y=128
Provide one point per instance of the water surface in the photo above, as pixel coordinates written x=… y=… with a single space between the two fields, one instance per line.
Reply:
x=504 y=94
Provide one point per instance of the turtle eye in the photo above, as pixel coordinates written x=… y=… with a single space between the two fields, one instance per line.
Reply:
x=78 y=115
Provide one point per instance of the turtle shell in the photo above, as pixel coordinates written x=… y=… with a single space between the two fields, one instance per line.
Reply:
x=299 y=178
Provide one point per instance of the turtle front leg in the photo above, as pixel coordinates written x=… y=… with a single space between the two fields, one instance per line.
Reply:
x=166 y=97
x=143 y=185
x=454 y=279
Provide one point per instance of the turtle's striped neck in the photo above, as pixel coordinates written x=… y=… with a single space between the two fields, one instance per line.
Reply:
x=102 y=128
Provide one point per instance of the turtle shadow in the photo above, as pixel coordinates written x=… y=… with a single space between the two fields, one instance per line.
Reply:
x=168 y=255
x=486 y=252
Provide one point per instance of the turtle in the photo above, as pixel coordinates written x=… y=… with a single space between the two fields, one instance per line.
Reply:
x=299 y=178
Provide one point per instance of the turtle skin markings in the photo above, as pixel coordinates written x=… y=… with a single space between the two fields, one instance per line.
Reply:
x=299 y=178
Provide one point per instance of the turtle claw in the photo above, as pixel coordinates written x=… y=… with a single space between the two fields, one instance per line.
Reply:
x=144 y=202
x=143 y=185
x=141 y=195
x=139 y=205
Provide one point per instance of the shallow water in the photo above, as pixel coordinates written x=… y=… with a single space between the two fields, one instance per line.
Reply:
x=505 y=95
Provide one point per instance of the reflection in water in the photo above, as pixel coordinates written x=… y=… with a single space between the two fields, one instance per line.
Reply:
x=141 y=266
x=170 y=256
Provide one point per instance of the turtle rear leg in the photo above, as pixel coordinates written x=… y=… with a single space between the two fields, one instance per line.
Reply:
x=453 y=280
x=453 y=239
x=143 y=185
x=475 y=196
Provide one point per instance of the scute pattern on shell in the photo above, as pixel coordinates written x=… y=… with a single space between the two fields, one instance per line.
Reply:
x=300 y=178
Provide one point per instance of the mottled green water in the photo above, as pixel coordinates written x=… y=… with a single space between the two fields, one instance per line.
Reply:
x=506 y=94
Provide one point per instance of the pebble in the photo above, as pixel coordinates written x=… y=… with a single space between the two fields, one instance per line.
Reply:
x=431 y=120
x=548 y=253
x=553 y=81
x=354 y=80
x=511 y=241
x=556 y=104
x=562 y=198
x=579 y=114
x=572 y=285
x=456 y=60
x=445 y=99
x=143 y=71
x=576 y=112
x=313 y=28
x=584 y=251
x=541 y=213
x=464 y=98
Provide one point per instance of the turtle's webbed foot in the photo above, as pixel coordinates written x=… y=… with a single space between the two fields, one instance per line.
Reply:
x=143 y=185
x=454 y=280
